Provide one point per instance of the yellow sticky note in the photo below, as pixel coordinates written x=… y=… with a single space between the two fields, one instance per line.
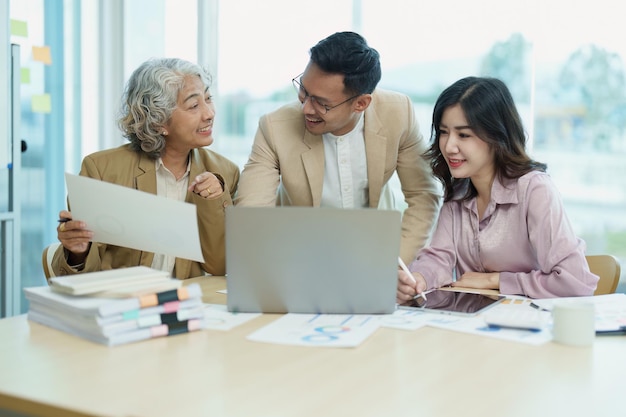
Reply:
x=42 y=54
x=25 y=75
x=41 y=103
x=19 y=28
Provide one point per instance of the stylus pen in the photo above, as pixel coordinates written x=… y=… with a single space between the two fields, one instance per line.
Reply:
x=405 y=269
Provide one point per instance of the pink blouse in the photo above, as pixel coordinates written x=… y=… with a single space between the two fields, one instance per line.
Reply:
x=524 y=234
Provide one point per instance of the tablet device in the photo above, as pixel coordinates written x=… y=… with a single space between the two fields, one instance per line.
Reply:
x=453 y=302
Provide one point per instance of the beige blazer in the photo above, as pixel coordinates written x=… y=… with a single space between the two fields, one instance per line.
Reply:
x=286 y=164
x=132 y=169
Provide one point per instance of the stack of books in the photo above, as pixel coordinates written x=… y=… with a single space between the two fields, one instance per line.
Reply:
x=118 y=306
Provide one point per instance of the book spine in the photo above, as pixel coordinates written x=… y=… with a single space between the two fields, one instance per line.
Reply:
x=153 y=332
x=179 y=294
x=169 y=318
x=169 y=299
x=167 y=308
x=175 y=328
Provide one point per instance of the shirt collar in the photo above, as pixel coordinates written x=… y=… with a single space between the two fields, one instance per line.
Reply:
x=504 y=192
x=357 y=128
x=158 y=164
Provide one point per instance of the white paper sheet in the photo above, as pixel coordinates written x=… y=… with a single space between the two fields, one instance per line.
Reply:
x=411 y=320
x=610 y=309
x=217 y=317
x=321 y=330
x=135 y=219
x=405 y=319
x=476 y=325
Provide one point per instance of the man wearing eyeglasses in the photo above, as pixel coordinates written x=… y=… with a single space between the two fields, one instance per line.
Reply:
x=339 y=146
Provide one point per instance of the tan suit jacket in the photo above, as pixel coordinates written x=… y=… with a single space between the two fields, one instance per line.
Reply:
x=286 y=164
x=132 y=169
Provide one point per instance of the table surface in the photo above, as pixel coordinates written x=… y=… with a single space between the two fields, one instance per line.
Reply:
x=427 y=372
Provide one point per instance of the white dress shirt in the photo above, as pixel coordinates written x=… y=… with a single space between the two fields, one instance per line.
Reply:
x=169 y=187
x=345 y=170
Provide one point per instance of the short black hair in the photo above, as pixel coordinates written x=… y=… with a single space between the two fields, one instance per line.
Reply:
x=348 y=53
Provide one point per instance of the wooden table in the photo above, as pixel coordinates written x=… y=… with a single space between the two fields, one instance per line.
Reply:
x=428 y=372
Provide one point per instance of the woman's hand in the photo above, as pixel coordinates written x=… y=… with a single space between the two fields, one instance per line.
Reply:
x=206 y=185
x=74 y=236
x=479 y=280
x=409 y=286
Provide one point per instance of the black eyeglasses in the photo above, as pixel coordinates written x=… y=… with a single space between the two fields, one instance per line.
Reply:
x=319 y=107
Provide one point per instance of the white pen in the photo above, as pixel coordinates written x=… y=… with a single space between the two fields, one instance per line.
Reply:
x=405 y=269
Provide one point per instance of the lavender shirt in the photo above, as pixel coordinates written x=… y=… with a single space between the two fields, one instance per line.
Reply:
x=524 y=234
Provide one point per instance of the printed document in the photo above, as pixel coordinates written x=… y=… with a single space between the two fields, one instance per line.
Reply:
x=135 y=219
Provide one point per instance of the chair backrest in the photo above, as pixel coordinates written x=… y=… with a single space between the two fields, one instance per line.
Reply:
x=607 y=267
x=46 y=259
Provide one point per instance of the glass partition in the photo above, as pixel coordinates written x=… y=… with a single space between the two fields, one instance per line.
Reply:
x=564 y=65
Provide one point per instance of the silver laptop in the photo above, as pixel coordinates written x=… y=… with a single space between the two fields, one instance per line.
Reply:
x=312 y=260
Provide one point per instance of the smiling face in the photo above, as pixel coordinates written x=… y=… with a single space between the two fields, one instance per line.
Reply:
x=328 y=89
x=191 y=124
x=467 y=155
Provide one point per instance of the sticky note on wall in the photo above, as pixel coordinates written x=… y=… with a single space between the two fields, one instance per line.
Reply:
x=41 y=103
x=25 y=75
x=42 y=54
x=19 y=28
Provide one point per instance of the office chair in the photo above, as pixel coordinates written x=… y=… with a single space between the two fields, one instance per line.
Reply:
x=46 y=259
x=607 y=267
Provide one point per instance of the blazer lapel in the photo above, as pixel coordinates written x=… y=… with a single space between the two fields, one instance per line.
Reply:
x=145 y=175
x=196 y=168
x=183 y=266
x=145 y=180
x=376 y=154
x=313 y=161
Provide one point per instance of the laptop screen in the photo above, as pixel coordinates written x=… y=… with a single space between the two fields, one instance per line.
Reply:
x=312 y=260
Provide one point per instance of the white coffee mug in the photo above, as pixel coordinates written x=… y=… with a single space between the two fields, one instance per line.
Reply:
x=573 y=323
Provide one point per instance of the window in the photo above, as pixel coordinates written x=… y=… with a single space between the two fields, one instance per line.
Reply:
x=43 y=105
x=580 y=115
x=563 y=64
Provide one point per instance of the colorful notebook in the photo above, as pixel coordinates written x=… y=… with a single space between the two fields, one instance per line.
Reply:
x=96 y=326
x=122 y=282
x=167 y=329
x=105 y=307
x=115 y=321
